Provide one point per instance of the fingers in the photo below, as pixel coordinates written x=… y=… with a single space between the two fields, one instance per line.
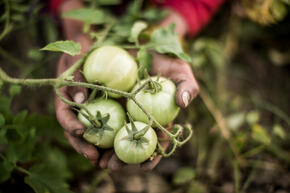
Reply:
x=82 y=147
x=187 y=90
x=77 y=93
x=180 y=73
x=66 y=117
x=115 y=164
x=105 y=159
x=151 y=164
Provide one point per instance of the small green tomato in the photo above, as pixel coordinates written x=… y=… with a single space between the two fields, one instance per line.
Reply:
x=111 y=118
x=131 y=149
x=111 y=66
x=161 y=105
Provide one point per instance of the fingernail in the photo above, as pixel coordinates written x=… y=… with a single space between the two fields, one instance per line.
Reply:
x=79 y=97
x=185 y=98
x=85 y=155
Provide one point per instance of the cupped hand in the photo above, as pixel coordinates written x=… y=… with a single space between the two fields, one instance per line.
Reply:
x=73 y=128
x=181 y=74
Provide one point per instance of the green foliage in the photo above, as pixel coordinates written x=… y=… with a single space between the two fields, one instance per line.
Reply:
x=144 y=59
x=27 y=138
x=260 y=134
x=165 y=41
x=43 y=178
x=87 y=15
x=69 y=47
x=279 y=131
x=136 y=29
x=183 y=175
x=33 y=144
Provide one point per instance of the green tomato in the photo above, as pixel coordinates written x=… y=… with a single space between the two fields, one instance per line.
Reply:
x=134 y=151
x=161 y=105
x=103 y=136
x=111 y=66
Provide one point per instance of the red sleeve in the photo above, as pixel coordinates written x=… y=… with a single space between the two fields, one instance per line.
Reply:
x=54 y=5
x=197 y=13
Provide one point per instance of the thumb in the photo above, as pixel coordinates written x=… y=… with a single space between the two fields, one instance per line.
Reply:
x=186 y=91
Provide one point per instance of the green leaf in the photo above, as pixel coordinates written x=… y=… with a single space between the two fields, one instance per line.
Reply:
x=6 y=168
x=279 y=10
x=53 y=156
x=236 y=120
x=154 y=14
x=87 y=15
x=279 y=131
x=35 y=54
x=69 y=78
x=136 y=29
x=69 y=47
x=14 y=90
x=20 y=149
x=3 y=131
x=144 y=59
x=20 y=117
x=1 y=83
x=2 y=120
x=253 y=117
x=183 y=175
x=109 y=2
x=197 y=187
x=165 y=41
x=45 y=179
x=5 y=105
x=260 y=134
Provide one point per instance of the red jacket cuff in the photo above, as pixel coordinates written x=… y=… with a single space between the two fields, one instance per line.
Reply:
x=196 y=13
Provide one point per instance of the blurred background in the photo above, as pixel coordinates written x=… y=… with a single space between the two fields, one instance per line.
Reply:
x=240 y=119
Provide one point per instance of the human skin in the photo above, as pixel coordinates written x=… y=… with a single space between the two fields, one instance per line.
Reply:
x=175 y=69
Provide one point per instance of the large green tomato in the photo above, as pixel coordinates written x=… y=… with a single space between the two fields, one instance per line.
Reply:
x=161 y=105
x=111 y=66
x=102 y=136
x=134 y=151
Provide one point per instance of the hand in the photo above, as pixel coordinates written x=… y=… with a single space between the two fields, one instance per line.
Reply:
x=73 y=128
x=175 y=69
x=187 y=89
x=180 y=73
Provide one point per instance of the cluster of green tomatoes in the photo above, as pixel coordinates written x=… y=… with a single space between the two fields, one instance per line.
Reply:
x=105 y=118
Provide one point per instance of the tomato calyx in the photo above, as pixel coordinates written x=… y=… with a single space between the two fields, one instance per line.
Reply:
x=134 y=134
x=99 y=123
x=100 y=128
x=153 y=86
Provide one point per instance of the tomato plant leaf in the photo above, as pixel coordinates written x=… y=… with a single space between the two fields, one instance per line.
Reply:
x=14 y=90
x=5 y=105
x=69 y=78
x=279 y=131
x=6 y=168
x=183 y=175
x=69 y=47
x=279 y=10
x=136 y=29
x=3 y=139
x=260 y=134
x=20 y=117
x=43 y=178
x=109 y=2
x=165 y=41
x=87 y=15
x=2 y=120
x=144 y=59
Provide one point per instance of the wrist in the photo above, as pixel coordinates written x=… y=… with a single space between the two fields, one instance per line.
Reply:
x=71 y=28
x=174 y=17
